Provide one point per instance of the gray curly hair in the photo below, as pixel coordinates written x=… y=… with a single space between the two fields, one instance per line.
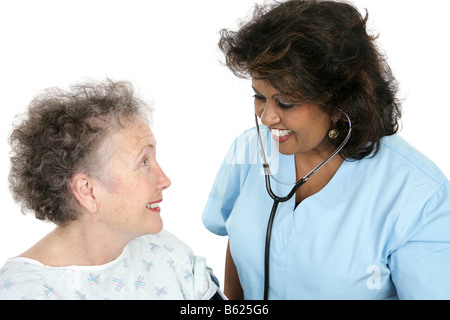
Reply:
x=64 y=133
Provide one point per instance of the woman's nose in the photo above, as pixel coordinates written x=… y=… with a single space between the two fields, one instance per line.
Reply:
x=163 y=182
x=269 y=115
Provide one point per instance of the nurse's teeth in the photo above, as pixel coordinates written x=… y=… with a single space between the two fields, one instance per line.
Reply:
x=153 y=205
x=280 y=133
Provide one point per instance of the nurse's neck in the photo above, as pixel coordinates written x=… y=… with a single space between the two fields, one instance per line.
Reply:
x=304 y=164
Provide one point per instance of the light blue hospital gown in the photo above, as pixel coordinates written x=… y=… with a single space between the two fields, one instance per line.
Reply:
x=156 y=266
x=380 y=229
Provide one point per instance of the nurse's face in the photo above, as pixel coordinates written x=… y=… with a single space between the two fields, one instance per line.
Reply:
x=130 y=205
x=299 y=128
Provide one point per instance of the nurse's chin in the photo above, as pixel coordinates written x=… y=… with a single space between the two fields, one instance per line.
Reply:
x=286 y=151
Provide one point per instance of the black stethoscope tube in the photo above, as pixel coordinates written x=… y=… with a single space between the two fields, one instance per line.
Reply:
x=267 y=249
x=276 y=201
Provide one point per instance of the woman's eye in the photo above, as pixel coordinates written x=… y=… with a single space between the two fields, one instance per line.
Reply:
x=259 y=97
x=144 y=163
x=284 y=105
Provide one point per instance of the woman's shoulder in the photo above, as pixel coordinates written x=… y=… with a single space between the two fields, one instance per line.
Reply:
x=404 y=175
x=162 y=243
x=401 y=156
x=21 y=279
x=397 y=158
x=181 y=266
x=162 y=239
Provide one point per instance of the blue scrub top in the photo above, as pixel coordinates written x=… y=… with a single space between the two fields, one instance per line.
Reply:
x=380 y=229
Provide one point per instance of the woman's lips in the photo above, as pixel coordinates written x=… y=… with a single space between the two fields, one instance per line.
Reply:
x=154 y=206
x=280 y=135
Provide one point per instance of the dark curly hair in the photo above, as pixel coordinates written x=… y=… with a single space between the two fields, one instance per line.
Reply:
x=320 y=52
x=64 y=133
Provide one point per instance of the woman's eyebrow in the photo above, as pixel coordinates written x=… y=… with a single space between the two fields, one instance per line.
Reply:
x=276 y=95
x=256 y=91
x=144 y=150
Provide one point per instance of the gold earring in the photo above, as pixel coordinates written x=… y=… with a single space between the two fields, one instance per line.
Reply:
x=333 y=134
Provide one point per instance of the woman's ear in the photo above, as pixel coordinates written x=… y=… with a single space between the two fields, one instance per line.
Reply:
x=336 y=115
x=82 y=187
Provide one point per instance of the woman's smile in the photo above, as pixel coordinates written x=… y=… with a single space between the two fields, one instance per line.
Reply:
x=280 y=135
x=300 y=128
x=154 y=206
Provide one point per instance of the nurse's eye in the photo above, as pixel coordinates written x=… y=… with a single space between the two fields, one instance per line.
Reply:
x=285 y=105
x=259 y=97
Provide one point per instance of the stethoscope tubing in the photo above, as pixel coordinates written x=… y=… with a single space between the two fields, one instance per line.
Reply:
x=276 y=201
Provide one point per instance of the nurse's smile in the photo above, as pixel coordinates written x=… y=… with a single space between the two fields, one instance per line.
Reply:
x=281 y=136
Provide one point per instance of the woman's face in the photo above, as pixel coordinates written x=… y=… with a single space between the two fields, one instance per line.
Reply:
x=130 y=204
x=298 y=128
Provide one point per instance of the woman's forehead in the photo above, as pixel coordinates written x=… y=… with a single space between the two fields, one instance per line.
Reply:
x=133 y=138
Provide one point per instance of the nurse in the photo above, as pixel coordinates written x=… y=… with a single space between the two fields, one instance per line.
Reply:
x=374 y=221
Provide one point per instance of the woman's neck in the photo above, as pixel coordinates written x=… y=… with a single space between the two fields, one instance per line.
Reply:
x=304 y=165
x=78 y=244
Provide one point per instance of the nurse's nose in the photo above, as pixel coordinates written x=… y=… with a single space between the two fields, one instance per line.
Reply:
x=269 y=115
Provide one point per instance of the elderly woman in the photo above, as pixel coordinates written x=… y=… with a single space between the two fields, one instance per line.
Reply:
x=86 y=161
x=374 y=221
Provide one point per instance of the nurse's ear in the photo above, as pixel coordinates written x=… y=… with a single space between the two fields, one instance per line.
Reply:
x=82 y=187
x=336 y=116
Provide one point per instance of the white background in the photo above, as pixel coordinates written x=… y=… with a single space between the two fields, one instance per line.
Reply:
x=168 y=49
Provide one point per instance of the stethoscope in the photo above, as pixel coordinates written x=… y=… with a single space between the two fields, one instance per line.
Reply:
x=277 y=199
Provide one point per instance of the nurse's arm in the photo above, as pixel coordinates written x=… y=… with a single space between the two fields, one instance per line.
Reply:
x=232 y=288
